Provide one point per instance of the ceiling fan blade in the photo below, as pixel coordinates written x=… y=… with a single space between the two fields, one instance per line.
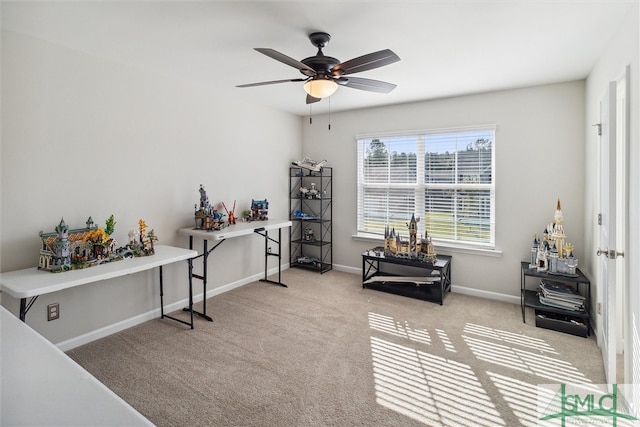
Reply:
x=311 y=99
x=305 y=69
x=271 y=82
x=366 y=84
x=365 y=62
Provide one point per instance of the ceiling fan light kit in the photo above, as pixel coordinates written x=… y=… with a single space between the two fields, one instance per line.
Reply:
x=323 y=73
x=320 y=88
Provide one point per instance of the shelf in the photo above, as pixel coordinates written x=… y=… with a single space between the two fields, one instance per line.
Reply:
x=318 y=225
x=562 y=323
x=431 y=293
x=322 y=268
x=312 y=199
x=579 y=277
x=318 y=220
x=531 y=300
x=314 y=243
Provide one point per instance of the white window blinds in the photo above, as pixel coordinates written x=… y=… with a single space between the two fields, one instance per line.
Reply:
x=445 y=178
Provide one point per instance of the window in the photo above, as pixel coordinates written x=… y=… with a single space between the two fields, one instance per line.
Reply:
x=444 y=177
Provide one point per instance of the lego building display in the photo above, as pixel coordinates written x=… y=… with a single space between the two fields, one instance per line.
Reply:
x=552 y=253
x=208 y=218
x=416 y=249
x=70 y=249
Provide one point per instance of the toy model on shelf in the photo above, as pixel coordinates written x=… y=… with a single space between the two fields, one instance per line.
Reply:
x=311 y=193
x=230 y=213
x=551 y=254
x=206 y=217
x=310 y=165
x=301 y=215
x=71 y=249
x=421 y=250
x=259 y=210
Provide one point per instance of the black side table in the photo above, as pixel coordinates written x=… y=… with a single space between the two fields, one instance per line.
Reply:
x=373 y=260
x=529 y=298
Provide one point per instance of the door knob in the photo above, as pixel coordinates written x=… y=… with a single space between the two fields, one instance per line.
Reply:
x=609 y=253
x=613 y=254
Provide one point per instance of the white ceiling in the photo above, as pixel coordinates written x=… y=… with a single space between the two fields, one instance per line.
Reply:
x=447 y=48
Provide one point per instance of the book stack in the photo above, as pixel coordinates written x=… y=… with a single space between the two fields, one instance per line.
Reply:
x=560 y=295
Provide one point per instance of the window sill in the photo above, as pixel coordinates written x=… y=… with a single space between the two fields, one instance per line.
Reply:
x=444 y=248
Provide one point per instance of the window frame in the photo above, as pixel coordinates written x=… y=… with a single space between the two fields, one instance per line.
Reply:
x=420 y=186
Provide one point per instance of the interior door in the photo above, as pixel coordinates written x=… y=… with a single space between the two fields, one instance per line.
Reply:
x=607 y=222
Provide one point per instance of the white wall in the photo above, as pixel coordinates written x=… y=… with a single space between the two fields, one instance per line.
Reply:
x=83 y=136
x=623 y=50
x=539 y=158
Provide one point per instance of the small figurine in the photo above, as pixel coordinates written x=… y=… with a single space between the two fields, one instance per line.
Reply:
x=230 y=214
x=302 y=215
x=309 y=235
x=310 y=193
x=259 y=210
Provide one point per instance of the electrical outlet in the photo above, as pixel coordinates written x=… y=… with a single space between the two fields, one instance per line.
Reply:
x=599 y=308
x=53 y=311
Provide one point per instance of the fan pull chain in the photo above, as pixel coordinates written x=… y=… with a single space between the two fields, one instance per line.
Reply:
x=329 y=113
x=310 y=115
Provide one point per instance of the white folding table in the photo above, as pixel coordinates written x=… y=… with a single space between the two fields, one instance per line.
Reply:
x=236 y=230
x=32 y=282
x=40 y=385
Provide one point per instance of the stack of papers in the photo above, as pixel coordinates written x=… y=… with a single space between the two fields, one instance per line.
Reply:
x=560 y=295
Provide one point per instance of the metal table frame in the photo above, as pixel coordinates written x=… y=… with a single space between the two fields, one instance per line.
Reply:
x=236 y=230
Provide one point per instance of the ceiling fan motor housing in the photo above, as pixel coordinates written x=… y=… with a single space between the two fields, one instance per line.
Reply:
x=320 y=63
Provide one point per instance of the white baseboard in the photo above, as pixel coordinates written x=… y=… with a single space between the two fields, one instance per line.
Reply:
x=347 y=269
x=456 y=289
x=485 y=294
x=155 y=313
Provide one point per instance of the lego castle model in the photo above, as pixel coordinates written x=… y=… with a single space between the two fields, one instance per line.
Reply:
x=206 y=216
x=71 y=249
x=421 y=250
x=552 y=254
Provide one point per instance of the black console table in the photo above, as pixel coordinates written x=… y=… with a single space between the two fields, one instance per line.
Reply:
x=432 y=282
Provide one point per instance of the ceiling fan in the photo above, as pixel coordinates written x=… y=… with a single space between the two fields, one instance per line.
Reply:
x=323 y=73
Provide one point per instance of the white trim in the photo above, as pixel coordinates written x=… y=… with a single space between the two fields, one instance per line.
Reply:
x=155 y=313
x=479 y=293
x=444 y=248
x=492 y=127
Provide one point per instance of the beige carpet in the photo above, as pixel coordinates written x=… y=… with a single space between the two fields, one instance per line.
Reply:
x=324 y=351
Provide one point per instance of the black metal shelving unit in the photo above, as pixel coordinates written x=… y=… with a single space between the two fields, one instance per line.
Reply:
x=310 y=210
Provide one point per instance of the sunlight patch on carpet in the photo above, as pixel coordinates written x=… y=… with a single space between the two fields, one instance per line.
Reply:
x=493 y=346
x=388 y=325
x=520 y=396
x=428 y=388
x=509 y=337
